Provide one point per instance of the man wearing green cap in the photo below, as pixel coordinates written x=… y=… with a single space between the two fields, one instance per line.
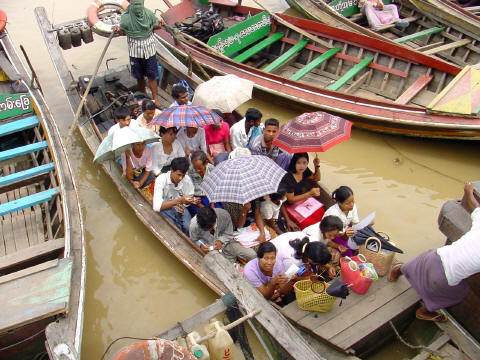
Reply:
x=138 y=23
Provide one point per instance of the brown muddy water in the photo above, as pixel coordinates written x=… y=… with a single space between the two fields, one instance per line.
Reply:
x=134 y=286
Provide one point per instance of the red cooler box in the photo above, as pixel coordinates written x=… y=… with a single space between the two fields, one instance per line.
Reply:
x=306 y=212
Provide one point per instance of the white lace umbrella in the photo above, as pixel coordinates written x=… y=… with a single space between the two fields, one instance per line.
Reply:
x=224 y=93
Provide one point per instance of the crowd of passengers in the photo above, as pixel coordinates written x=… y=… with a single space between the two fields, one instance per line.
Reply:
x=259 y=233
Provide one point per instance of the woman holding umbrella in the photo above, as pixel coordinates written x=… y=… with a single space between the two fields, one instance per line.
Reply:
x=137 y=165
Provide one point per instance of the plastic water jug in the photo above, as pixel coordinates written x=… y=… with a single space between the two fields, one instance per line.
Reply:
x=198 y=350
x=221 y=345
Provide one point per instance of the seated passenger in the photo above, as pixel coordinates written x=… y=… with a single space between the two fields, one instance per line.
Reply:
x=167 y=149
x=346 y=210
x=137 y=165
x=246 y=215
x=122 y=118
x=198 y=170
x=379 y=14
x=193 y=139
x=268 y=275
x=326 y=231
x=263 y=144
x=217 y=137
x=300 y=184
x=296 y=248
x=180 y=95
x=212 y=229
x=271 y=208
x=242 y=131
x=149 y=111
x=173 y=193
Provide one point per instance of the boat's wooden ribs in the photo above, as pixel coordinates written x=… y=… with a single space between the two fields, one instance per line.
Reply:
x=286 y=56
x=414 y=89
x=350 y=74
x=258 y=47
x=314 y=63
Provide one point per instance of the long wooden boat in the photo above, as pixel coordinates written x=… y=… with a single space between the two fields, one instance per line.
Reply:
x=42 y=254
x=379 y=85
x=433 y=30
x=396 y=303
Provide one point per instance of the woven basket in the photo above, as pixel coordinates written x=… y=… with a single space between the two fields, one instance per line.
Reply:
x=380 y=260
x=312 y=296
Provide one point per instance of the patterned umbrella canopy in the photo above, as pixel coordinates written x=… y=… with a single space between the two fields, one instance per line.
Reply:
x=186 y=115
x=311 y=132
x=242 y=179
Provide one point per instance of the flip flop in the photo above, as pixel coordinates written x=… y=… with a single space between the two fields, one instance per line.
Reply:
x=436 y=318
x=396 y=266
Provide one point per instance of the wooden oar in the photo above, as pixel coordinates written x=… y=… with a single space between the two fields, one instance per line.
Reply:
x=87 y=90
x=295 y=28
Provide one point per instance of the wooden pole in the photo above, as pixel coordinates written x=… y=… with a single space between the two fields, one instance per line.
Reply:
x=295 y=28
x=87 y=90
x=34 y=74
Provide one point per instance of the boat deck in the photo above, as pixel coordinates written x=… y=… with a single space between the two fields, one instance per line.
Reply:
x=345 y=326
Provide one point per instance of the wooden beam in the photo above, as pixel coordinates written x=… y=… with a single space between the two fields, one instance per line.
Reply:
x=419 y=34
x=414 y=89
x=314 y=64
x=250 y=299
x=244 y=56
x=351 y=73
x=448 y=46
x=287 y=55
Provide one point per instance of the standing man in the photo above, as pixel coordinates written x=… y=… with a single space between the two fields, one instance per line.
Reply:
x=138 y=23
x=242 y=131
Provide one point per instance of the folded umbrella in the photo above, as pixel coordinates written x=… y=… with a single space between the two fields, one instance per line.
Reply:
x=338 y=289
x=362 y=235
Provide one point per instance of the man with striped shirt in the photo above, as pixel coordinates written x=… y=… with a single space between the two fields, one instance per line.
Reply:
x=138 y=23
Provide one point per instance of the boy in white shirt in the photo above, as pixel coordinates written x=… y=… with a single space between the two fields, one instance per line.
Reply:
x=122 y=119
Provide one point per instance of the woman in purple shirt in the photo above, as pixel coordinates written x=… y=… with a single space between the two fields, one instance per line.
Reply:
x=268 y=275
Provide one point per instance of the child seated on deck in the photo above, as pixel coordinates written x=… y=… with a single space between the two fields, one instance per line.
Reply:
x=122 y=119
x=271 y=209
x=137 y=165
x=212 y=229
x=173 y=193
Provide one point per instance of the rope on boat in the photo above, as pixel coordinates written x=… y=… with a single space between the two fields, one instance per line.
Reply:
x=413 y=347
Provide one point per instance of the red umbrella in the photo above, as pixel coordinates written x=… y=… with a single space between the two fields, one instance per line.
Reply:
x=311 y=132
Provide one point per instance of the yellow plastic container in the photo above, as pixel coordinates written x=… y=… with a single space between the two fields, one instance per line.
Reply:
x=221 y=345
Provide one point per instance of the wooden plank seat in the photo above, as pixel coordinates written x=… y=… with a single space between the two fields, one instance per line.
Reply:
x=448 y=46
x=25 y=174
x=414 y=89
x=28 y=201
x=287 y=55
x=247 y=54
x=314 y=64
x=31 y=253
x=18 y=125
x=420 y=34
x=22 y=150
x=350 y=74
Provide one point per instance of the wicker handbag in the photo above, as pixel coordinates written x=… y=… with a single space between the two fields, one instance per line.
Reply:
x=312 y=296
x=381 y=259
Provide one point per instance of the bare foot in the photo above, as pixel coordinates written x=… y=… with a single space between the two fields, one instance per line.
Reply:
x=396 y=272
x=469 y=202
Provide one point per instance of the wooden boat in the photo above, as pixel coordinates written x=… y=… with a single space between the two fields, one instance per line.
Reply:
x=42 y=254
x=378 y=85
x=281 y=337
x=432 y=31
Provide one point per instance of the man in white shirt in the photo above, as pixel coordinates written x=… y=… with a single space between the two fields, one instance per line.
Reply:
x=122 y=118
x=242 y=131
x=180 y=95
x=173 y=193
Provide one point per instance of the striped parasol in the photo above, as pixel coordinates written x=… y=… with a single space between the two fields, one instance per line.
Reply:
x=242 y=179
x=186 y=115
x=312 y=132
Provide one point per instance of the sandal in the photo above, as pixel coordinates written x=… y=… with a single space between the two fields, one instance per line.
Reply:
x=437 y=317
x=395 y=267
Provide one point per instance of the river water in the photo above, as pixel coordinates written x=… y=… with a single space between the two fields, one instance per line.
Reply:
x=134 y=286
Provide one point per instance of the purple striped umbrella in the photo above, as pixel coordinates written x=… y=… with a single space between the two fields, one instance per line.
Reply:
x=242 y=179
x=312 y=132
x=186 y=115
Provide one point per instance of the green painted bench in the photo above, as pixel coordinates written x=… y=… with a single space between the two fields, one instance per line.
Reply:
x=22 y=150
x=314 y=64
x=18 y=125
x=351 y=73
x=28 y=201
x=247 y=54
x=419 y=34
x=287 y=55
